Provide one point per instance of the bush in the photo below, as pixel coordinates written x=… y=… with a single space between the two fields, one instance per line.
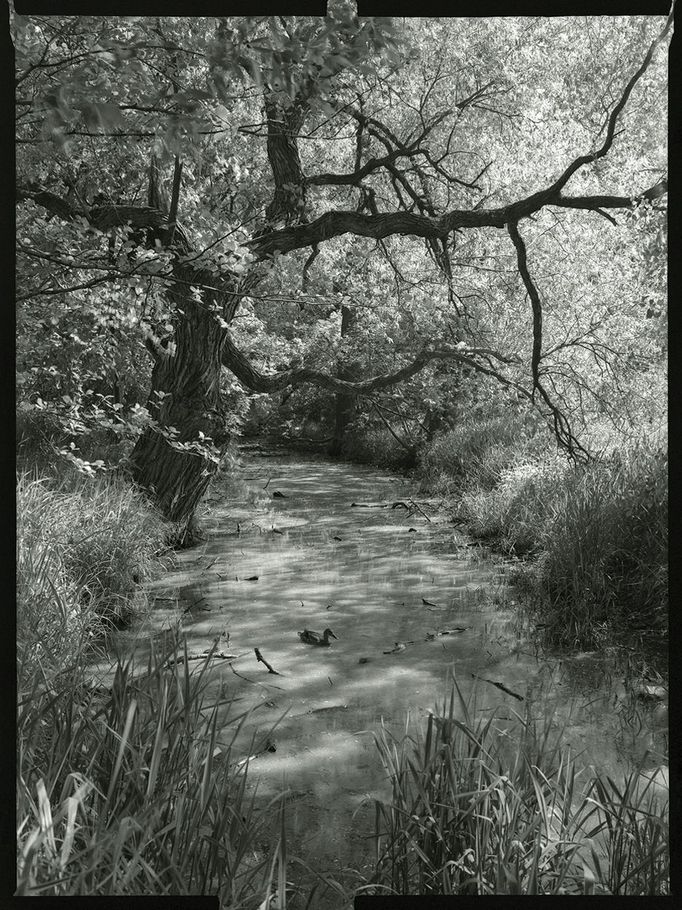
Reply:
x=82 y=548
x=606 y=549
x=376 y=445
x=598 y=533
x=476 y=452
x=514 y=514
x=38 y=434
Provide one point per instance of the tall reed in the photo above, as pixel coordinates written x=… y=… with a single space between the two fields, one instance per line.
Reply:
x=482 y=807
x=133 y=789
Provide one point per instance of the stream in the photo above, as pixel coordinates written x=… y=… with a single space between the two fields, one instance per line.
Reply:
x=401 y=579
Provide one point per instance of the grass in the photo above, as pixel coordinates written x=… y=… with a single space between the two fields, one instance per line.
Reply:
x=593 y=537
x=603 y=542
x=481 y=807
x=128 y=788
x=474 y=454
x=83 y=548
x=133 y=789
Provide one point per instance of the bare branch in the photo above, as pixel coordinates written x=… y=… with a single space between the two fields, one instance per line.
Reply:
x=562 y=428
x=336 y=223
x=236 y=361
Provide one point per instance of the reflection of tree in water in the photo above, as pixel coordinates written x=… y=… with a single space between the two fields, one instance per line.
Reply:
x=585 y=693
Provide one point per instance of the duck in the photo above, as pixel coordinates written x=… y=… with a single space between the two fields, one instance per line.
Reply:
x=314 y=638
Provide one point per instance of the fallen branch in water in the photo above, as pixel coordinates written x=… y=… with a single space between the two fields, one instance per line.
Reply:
x=419 y=508
x=256 y=682
x=499 y=686
x=260 y=657
x=219 y=655
x=269 y=747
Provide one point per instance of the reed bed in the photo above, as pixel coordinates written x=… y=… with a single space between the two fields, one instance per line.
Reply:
x=481 y=807
x=133 y=788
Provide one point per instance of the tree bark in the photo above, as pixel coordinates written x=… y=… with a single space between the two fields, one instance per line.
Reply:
x=187 y=374
x=190 y=382
x=345 y=402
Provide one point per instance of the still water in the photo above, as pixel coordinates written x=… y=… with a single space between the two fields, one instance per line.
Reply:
x=384 y=579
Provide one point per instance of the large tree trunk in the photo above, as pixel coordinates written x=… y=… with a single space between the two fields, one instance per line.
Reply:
x=345 y=403
x=187 y=373
x=190 y=382
x=190 y=379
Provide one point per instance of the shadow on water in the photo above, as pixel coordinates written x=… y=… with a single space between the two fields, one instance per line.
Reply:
x=377 y=576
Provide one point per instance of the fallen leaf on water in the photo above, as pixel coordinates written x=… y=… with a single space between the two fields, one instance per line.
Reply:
x=399 y=646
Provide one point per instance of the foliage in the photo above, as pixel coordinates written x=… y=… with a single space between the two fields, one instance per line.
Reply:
x=516 y=510
x=595 y=536
x=105 y=105
x=132 y=789
x=82 y=550
x=478 y=449
x=484 y=807
x=604 y=567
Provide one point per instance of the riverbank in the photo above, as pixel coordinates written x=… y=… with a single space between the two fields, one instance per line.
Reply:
x=138 y=706
x=590 y=541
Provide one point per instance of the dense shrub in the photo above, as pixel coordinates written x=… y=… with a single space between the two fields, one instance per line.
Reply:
x=376 y=445
x=476 y=452
x=514 y=513
x=597 y=533
x=82 y=548
x=606 y=549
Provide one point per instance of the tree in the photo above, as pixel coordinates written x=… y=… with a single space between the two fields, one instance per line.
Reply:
x=443 y=144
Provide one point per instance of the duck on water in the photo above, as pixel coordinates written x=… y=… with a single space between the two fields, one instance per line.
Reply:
x=315 y=638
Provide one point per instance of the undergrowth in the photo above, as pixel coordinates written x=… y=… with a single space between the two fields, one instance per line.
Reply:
x=83 y=548
x=133 y=789
x=482 y=806
x=593 y=537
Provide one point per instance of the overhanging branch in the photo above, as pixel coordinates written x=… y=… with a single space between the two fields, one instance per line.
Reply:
x=238 y=363
x=336 y=223
x=562 y=427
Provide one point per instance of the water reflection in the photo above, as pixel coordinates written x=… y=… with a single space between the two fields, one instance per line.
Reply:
x=376 y=585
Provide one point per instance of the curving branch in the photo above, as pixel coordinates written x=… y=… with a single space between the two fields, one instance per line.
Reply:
x=236 y=361
x=595 y=203
x=431 y=227
x=378 y=226
x=536 y=303
x=562 y=427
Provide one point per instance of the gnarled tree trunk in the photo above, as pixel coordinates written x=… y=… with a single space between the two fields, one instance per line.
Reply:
x=187 y=374
x=190 y=382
